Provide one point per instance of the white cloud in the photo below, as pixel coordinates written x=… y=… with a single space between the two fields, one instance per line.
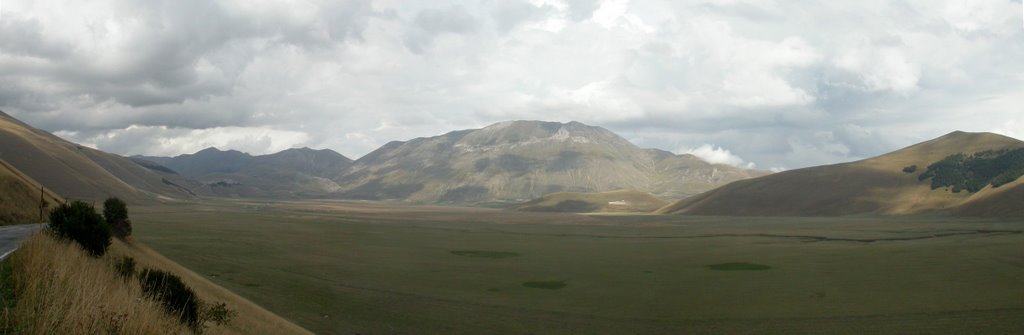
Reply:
x=170 y=141
x=764 y=79
x=716 y=155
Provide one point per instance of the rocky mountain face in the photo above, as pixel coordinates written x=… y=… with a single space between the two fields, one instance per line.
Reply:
x=520 y=160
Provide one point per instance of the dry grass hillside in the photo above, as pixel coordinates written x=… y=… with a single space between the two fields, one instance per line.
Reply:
x=877 y=185
x=61 y=290
x=78 y=172
x=19 y=196
x=621 y=201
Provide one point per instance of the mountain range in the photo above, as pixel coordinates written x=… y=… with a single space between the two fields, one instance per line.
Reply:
x=560 y=166
x=508 y=162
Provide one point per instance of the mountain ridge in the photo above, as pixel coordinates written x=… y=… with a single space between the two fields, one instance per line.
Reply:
x=888 y=184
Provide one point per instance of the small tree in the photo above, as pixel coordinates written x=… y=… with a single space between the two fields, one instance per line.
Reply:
x=115 y=212
x=79 y=222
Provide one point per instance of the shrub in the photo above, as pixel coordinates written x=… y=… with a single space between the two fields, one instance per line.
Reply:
x=79 y=222
x=115 y=212
x=218 y=313
x=176 y=297
x=910 y=169
x=125 y=267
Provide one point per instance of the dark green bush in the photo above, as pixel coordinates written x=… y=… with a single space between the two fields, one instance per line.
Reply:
x=79 y=222
x=125 y=267
x=910 y=169
x=115 y=212
x=176 y=297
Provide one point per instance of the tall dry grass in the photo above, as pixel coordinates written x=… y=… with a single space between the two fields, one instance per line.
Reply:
x=60 y=290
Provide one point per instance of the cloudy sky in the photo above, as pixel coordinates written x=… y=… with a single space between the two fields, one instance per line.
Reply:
x=778 y=84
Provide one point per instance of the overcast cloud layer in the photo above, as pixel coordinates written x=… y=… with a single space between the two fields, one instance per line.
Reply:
x=771 y=84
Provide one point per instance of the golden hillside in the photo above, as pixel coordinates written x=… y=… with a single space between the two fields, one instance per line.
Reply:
x=78 y=172
x=20 y=195
x=877 y=185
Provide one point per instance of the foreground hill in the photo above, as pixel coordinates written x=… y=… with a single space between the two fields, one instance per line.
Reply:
x=289 y=173
x=78 y=172
x=622 y=201
x=20 y=195
x=906 y=181
x=519 y=160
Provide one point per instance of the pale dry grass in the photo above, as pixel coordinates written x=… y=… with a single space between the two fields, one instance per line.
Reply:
x=251 y=318
x=61 y=290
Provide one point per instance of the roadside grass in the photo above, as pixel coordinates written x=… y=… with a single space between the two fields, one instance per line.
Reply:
x=738 y=266
x=53 y=287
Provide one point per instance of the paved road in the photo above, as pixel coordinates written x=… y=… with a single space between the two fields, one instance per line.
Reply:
x=12 y=236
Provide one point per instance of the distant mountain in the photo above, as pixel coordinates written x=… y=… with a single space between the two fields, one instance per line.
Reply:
x=289 y=173
x=20 y=196
x=520 y=160
x=959 y=173
x=78 y=172
x=621 y=201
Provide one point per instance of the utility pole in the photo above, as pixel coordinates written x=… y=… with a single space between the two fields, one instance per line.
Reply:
x=42 y=203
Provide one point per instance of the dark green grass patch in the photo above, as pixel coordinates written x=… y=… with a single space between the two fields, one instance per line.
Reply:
x=484 y=253
x=547 y=285
x=738 y=266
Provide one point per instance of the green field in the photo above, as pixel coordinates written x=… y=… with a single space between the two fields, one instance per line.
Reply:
x=345 y=268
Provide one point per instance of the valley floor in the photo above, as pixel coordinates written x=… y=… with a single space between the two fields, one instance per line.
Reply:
x=350 y=267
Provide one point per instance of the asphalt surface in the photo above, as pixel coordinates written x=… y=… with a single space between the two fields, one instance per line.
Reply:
x=12 y=236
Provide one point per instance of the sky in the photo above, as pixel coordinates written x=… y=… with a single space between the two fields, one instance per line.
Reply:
x=762 y=84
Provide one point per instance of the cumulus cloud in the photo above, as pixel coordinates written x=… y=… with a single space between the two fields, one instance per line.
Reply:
x=781 y=84
x=716 y=155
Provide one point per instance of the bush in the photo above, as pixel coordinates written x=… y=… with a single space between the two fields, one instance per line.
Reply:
x=218 y=313
x=910 y=169
x=176 y=297
x=79 y=222
x=115 y=212
x=179 y=300
x=125 y=267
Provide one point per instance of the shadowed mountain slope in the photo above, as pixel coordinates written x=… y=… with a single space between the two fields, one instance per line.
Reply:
x=519 y=160
x=289 y=173
x=889 y=184
x=79 y=172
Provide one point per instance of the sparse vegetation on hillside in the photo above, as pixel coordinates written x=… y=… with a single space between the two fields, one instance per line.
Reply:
x=974 y=172
x=53 y=287
x=79 y=222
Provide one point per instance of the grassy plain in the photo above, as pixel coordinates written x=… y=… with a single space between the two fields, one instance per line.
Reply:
x=349 y=267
